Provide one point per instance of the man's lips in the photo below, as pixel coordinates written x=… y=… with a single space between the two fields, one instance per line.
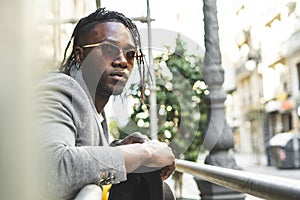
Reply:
x=119 y=75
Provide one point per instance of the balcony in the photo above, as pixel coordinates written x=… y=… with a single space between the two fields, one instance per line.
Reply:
x=292 y=45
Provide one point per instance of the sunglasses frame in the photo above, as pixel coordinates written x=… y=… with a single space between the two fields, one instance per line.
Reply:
x=120 y=50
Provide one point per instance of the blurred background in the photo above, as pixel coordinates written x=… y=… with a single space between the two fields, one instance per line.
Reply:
x=260 y=48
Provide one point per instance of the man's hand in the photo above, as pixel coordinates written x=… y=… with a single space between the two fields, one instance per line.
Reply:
x=166 y=171
x=161 y=156
x=135 y=137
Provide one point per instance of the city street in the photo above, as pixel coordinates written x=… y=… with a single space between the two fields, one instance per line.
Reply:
x=249 y=162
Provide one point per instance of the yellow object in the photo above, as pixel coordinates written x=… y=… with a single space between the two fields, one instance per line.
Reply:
x=105 y=191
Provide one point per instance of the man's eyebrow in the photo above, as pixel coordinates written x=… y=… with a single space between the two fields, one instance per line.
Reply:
x=111 y=41
x=129 y=46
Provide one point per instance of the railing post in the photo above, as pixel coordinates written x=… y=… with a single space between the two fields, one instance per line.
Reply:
x=218 y=137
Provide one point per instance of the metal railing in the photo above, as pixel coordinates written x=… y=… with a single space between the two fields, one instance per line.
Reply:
x=259 y=185
x=90 y=192
x=263 y=186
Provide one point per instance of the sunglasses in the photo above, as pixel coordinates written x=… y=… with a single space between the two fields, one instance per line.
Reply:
x=112 y=52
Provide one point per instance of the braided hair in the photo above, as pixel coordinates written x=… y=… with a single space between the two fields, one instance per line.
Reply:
x=88 y=23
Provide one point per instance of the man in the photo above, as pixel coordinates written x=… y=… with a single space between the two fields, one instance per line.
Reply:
x=70 y=108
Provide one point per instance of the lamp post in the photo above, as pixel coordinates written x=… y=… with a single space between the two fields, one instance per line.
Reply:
x=218 y=136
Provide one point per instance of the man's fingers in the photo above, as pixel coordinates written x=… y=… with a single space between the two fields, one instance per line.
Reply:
x=167 y=171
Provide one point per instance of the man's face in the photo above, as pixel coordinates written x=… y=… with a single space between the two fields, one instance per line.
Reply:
x=107 y=66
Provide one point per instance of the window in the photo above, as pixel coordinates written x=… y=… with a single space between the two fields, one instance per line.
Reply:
x=286 y=122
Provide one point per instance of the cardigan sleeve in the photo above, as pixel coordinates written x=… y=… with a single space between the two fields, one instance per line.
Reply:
x=70 y=167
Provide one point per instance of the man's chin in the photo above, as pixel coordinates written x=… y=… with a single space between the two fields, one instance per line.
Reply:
x=117 y=91
x=111 y=90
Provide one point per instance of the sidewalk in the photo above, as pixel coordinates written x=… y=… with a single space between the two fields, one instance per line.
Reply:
x=258 y=164
x=248 y=162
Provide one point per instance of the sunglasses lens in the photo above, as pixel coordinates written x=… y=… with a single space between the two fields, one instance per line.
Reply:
x=109 y=51
x=130 y=55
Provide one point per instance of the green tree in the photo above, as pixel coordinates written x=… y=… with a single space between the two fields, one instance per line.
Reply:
x=181 y=110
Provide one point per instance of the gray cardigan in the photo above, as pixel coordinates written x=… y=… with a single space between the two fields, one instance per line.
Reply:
x=74 y=139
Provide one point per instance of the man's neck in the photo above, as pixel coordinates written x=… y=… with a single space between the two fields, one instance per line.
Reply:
x=100 y=102
x=100 y=99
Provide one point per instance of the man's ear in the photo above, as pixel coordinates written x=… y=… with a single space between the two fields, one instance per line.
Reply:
x=79 y=55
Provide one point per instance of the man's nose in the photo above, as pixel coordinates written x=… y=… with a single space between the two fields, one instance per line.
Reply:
x=121 y=61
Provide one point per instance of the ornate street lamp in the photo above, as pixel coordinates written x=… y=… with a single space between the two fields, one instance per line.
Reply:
x=218 y=136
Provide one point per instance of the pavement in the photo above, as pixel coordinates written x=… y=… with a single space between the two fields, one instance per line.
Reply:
x=248 y=162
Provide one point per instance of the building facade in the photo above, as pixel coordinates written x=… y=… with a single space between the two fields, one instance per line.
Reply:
x=55 y=22
x=267 y=71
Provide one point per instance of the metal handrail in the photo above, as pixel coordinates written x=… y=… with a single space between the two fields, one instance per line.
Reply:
x=90 y=192
x=263 y=186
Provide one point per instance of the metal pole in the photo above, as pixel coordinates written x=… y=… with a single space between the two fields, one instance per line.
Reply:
x=295 y=139
x=55 y=30
x=218 y=136
x=153 y=114
x=98 y=3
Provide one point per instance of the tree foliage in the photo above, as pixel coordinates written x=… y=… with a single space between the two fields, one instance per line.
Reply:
x=181 y=112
